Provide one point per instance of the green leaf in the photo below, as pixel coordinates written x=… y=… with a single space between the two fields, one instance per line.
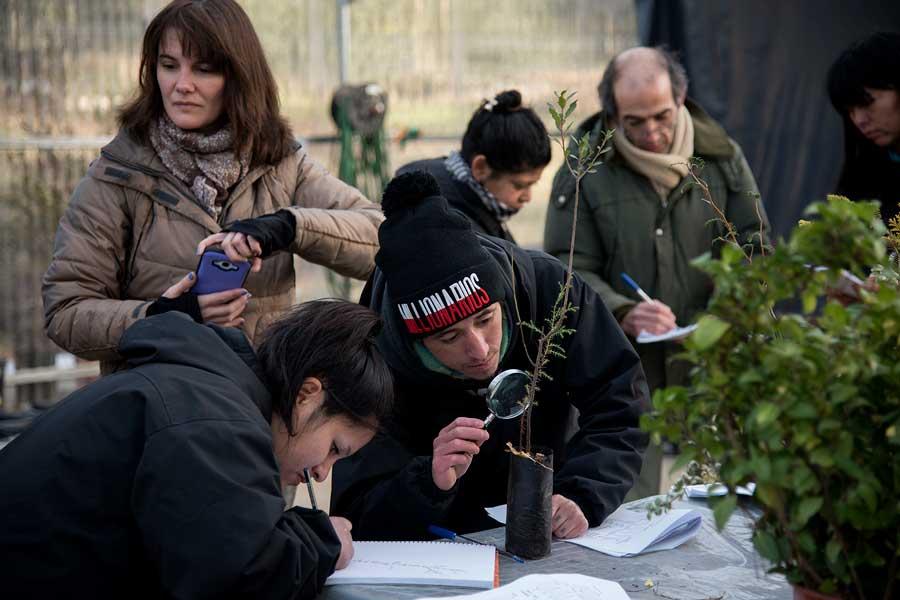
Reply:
x=806 y=542
x=723 y=510
x=766 y=413
x=768 y=494
x=868 y=495
x=804 y=510
x=833 y=551
x=709 y=330
x=803 y=410
x=682 y=461
x=555 y=115
x=766 y=545
x=750 y=376
x=810 y=300
x=822 y=457
x=730 y=253
x=846 y=464
x=892 y=433
x=804 y=479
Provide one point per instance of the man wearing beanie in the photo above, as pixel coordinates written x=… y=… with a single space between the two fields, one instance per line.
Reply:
x=452 y=302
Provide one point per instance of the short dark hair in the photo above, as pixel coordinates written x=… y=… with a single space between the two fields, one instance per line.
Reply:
x=873 y=63
x=668 y=60
x=333 y=341
x=510 y=136
x=220 y=33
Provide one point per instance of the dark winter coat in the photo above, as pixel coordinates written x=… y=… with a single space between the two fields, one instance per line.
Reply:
x=159 y=481
x=461 y=197
x=869 y=173
x=387 y=488
x=623 y=227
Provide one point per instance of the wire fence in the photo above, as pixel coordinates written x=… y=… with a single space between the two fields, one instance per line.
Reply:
x=66 y=65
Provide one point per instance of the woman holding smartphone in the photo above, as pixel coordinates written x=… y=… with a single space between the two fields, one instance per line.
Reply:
x=202 y=145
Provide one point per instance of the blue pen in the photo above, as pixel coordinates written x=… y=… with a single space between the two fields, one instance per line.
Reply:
x=633 y=285
x=450 y=535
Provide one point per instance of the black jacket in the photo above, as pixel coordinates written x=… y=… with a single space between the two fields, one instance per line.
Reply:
x=387 y=489
x=869 y=173
x=159 y=481
x=461 y=197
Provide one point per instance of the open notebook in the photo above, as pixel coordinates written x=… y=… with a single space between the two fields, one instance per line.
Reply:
x=419 y=563
x=674 y=333
x=628 y=532
x=556 y=586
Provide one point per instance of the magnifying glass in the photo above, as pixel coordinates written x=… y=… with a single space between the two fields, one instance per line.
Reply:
x=506 y=395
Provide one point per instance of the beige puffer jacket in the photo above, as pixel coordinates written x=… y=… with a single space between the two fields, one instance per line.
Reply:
x=131 y=230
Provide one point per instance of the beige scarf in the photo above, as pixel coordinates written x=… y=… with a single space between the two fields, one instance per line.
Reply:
x=206 y=163
x=664 y=171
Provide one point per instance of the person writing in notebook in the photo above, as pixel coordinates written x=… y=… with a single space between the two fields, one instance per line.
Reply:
x=164 y=480
x=452 y=302
x=641 y=215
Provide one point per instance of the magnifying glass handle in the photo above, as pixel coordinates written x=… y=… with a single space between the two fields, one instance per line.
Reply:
x=488 y=420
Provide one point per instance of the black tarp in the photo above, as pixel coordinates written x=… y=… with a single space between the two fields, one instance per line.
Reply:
x=759 y=67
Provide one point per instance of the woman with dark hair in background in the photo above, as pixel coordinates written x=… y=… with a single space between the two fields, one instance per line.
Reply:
x=504 y=151
x=864 y=87
x=201 y=147
x=163 y=480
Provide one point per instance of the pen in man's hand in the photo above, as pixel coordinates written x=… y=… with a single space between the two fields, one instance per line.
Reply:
x=633 y=285
x=309 y=488
x=450 y=535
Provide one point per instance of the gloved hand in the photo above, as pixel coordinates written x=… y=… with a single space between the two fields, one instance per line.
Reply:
x=273 y=232
x=180 y=298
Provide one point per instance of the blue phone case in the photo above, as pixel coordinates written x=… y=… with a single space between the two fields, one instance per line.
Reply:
x=217 y=273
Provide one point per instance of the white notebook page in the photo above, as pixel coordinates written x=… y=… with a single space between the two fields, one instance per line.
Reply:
x=419 y=563
x=557 y=586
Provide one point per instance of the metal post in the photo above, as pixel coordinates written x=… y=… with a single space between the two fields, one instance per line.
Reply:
x=343 y=31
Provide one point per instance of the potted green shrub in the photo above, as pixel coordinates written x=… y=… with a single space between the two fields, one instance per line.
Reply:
x=806 y=405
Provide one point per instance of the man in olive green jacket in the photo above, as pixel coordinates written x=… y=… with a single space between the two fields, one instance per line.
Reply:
x=640 y=214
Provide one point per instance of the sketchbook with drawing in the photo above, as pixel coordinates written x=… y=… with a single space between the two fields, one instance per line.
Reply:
x=419 y=563
x=629 y=532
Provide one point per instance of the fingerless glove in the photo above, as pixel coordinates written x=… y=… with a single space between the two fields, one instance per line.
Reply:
x=186 y=303
x=274 y=232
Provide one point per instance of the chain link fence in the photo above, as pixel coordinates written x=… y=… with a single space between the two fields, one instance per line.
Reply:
x=66 y=65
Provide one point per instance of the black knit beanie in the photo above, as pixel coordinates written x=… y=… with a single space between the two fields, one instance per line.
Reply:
x=437 y=271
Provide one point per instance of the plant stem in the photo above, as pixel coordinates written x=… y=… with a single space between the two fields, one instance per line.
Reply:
x=585 y=160
x=892 y=578
x=720 y=216
x=762 y=241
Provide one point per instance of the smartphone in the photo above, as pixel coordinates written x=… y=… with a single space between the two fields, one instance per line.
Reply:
x=217 y=273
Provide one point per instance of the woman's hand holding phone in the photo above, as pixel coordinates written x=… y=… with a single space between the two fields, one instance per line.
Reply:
x=224 y=308
x=237 y=246
x=221 y=308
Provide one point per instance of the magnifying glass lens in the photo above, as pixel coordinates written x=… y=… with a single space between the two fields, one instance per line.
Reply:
x=506 y=394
